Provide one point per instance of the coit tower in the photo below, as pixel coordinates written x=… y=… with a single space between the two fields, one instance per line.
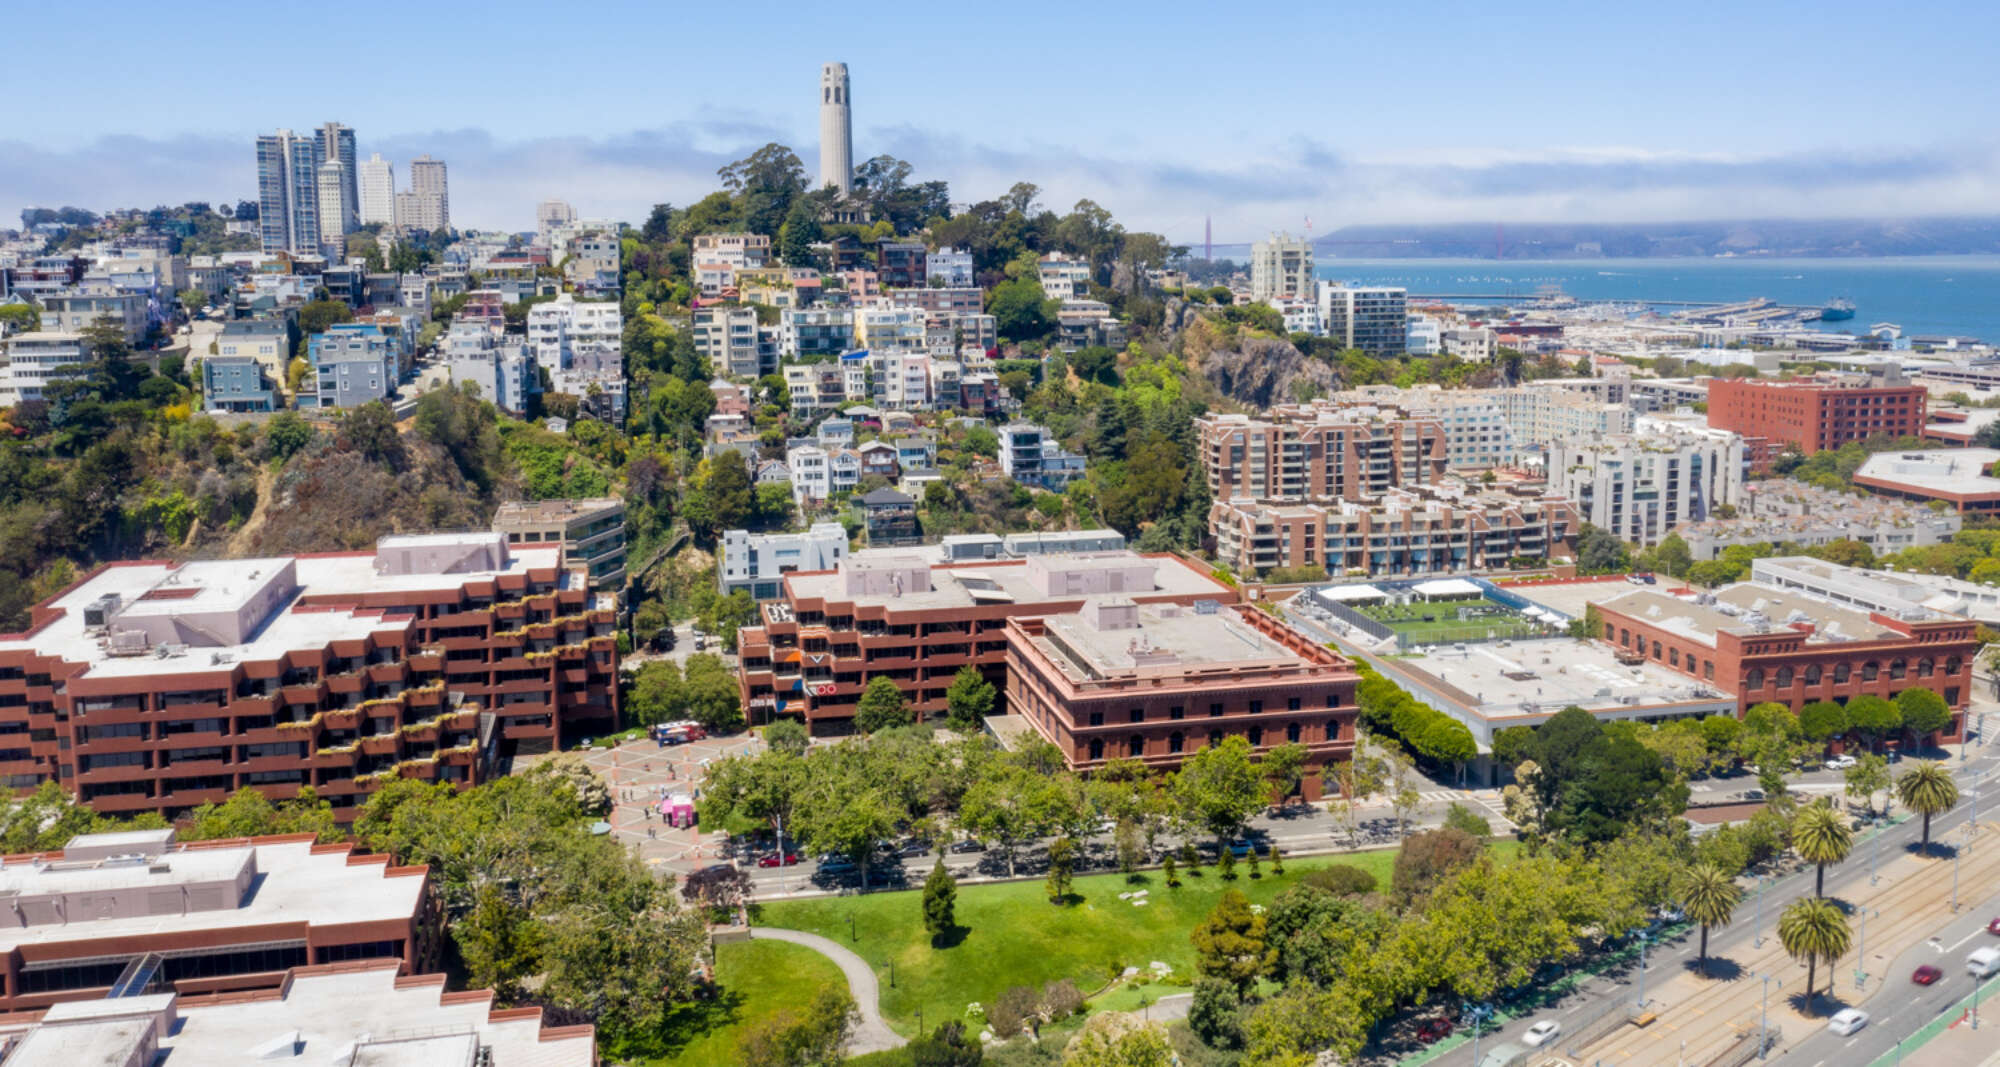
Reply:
x=836 y=130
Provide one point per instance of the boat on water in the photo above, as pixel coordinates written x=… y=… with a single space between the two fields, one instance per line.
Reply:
x=1837 y=310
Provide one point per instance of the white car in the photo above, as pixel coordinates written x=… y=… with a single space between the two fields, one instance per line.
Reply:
x=1541 y=1033
x=1846 y=1021
x=1840 y=763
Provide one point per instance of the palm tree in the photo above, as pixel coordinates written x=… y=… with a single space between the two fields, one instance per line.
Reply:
x=1709 y=897
x=1821 y=836
x=1814 y=929
x=1927 y=789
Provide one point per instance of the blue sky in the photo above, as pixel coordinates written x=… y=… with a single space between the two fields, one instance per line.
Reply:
x=1163 y=112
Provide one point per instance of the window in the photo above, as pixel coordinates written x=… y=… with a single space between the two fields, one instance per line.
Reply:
x=1784 y=677
x=1333 y=729
x=1256 y=737
x=1097 y=718
x=1656 y=650
x=1292 y=704
x=1898 y=668
x=1176 y=713
x=1840 y=673
x=1175 y=741
x=1870 y=671
x=1138 y=714
x=1214 y=738
x=1951 y=667
x=1136 y=747
x=1096 y=748
x=1674 y=656
x=1333 y=700
x=1925 y=668
x=1215 y=711
x=1813 y=674
x=1292 y=733
x=1753 y=678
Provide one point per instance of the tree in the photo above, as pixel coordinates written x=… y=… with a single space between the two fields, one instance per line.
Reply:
x=1231 y=943
x=1512 y=744
x=709 y=694
x=940 y=901
x=969 y=700
x=1598 y=551
x=286 y=433
x=1428 y=858
x=1927 y=789
x=814 y=1037
x=316 y=316
x=787 y=735
x=1020 y=310
x=1822 y=719
x=1218 y=787
x=1821 y=836
x=1215 y=1013
x=881 y=707
x=1924 y=713
x=1284 y=769
x=1873 y=717
x=1708 y=897
x=1814 y=929
x=946 y=1046
x=1062 y=868
x=1868 y=776
x=657 y=695
x=1016 y=1007
x=1465 y=820
x=498 y=941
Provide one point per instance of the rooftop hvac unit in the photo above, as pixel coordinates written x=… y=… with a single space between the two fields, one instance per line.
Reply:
x=97 y=614
x=1206 y=607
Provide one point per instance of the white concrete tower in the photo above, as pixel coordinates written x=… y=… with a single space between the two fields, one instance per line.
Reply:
x=836 y=130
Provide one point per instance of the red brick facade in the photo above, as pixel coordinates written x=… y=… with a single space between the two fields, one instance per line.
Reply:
x=1812 y=415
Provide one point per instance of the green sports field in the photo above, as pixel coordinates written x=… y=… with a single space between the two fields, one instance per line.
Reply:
x=1440 y=622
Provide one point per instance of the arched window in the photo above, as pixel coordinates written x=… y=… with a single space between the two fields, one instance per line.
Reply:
x=1625 y=638
x=1136 y=747
x=1096 y=748
x=1840 y=673
x=1813 y=674
x=1925 y=668
x=1610 y=631
x=1898 y=668
x=1870 y=671
x=1753 y=678
x=1292 y=732
x=1951 y=666
x=1333 y=729
x=1784 y=677
x=1656 y=650
x=1175 y=742
x=1674 y=656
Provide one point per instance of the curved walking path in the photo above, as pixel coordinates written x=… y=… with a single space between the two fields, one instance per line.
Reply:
x=872 y=1035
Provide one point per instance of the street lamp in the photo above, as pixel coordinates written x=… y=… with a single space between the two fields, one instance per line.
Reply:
x=1760 y=911
x=1861 y=955
x=1642 y=969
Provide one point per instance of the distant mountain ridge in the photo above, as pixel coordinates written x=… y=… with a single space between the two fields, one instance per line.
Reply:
x=1656 y=240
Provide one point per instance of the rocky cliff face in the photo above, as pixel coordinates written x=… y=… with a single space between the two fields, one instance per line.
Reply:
x=1257 y=371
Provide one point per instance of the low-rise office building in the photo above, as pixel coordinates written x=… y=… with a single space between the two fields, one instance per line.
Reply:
x=591 y=533
x=151 y=686
x=1961 y=477
x=1886 y=592
x=1778 y=511
x=204 y=918
x=899 y=614
x=1812 y=415
x=1158 y=682
x=364 y=1013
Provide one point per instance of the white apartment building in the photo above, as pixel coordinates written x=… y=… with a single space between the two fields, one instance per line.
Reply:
x=743 y=251
x=1301 y=315
x=503 y=371
x=1422 y=336
x=35 y=359
x=727 y=338
x=1540 y=413
x=566 y=331
x=429 y=203
x=890 y=330
x=759 y=562
x=821 y=474
x=549 y=215
x=378 y=191
x=1640 y=486
x=1064 y=277
x=1476 y=432
x=78 y=307
x=1371 y=318
x=1473 y=345
x=949 y=268
x=1281 y=266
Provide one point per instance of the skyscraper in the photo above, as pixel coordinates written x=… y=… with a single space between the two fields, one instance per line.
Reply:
x=288 y=192
x=836 y=130
x=335 y=220
x=334 y=141
x=378 y=191
x=431 y=198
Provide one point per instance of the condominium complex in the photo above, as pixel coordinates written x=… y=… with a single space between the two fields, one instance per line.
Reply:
x=378 y=191
x=428 y=203
x=35 y=359
x=288 y=193
x=151 y=686
x=1282 y=266
x=591 y=533
x=1155 y=682
x=898 y=614
x=1812 y=415
x=728 y=338
x=1032 y=456
x=1368 y=317
x=1319 y=452
x=1063 y=277
x=137 y=911
x=1641 y=486
x=758 y=563
x=1778 y=511
x=1431 y=530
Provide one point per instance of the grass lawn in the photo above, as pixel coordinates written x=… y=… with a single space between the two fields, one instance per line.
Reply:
x=1011 y=935
x=757 y=980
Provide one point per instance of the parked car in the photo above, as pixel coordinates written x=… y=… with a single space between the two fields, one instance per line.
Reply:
x=1847 y=1021
x=968 y=845
x=778 y=859
x=915 y=846
x=837 y=865
x=1541 y=1033
x=1926 y=974
x=1434 y=1030
x=1671 y=915
x=1840 y=763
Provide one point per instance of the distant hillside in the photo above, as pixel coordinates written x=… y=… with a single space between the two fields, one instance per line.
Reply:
x=1588 y=240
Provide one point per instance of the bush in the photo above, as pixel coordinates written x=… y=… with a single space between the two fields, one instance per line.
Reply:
x=1430 y=857
x=1341 y=879
x=1462 y=818
x=1215 y=1016
x=1060 y=1000
x=1013 y=1010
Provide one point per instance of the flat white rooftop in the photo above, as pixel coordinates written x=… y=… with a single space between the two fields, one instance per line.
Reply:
x=1168 y=639
x=1544 y=675
x=955 y=586
x=1950 y=470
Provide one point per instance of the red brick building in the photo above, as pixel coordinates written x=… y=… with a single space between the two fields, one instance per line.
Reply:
x=1158 y=682
x=155 y=686
x=1768 y=644
x=202 y=919
x=1811 y=414
x=896 y=613
x=1320 y=453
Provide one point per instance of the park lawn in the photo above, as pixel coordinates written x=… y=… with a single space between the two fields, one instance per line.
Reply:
x=1009 y=933
x=756 y=980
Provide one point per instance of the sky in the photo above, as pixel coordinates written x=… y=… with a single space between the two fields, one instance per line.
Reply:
x=1168 y=114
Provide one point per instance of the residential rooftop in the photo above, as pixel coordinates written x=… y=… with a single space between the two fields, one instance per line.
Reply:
x=1950 y=470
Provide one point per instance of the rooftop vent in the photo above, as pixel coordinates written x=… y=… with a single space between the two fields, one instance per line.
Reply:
x=1206 y=607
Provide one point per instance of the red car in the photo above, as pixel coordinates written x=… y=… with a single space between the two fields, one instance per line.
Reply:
x=1434 y=1030
x=778 y=860
x=1926 y=975
x=1993 y=927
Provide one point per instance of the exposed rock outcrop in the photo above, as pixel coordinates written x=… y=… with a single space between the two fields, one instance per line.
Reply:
x=1257 y=371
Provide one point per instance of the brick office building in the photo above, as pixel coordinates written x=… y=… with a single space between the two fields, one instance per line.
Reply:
x=1764 y=643
x=153 y=686
x=1320 y=452
x=135 y=910
x=897 y=614
x=1811 y=414
x=1158 y=682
